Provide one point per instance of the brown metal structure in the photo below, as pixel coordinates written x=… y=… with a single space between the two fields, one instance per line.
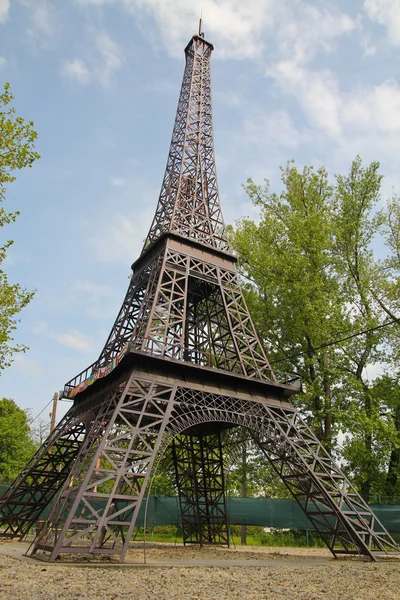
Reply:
x=182 y=363
x=198 y=462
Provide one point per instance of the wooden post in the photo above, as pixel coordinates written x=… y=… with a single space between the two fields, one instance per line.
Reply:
x=53 y=413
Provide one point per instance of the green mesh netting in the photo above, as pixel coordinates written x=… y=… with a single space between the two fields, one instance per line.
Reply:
x=267 y=512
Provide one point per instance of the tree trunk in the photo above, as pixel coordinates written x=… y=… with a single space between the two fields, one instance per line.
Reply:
x=394 y=462
x=393 y=471
x=366 y=484
x=328 y=419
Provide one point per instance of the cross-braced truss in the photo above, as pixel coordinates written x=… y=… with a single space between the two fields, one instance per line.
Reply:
x=98 y=506
x=99 y=502
x=183 y=308
x=42 y=478
x=189 y=203
x=199 y=472
x=182 y=361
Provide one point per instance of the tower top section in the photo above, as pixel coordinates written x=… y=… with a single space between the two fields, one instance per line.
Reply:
x=189 y=203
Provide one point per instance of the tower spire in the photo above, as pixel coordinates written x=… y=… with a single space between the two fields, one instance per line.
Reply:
x=189 y=201
x=201 y=33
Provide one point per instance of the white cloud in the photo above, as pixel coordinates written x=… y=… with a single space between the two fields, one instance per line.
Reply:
x=237 y=24
x=243 y=28
x=40 y=328
x=94 y=2
x=271 y=128
x=76 y=69
x=118 y=236
x=43 y=25
x=4 y=8
x=362 y=120
x=122 y=238
x=118 y=182
x=26 y=365
x=96 y=299
x=111 y=57
x=229 y=99
x=369 y=48
x=3 y=62
x=303 y=33
x=103 y=57
x=316 y=91
x=71 y=339
x=366 y=110
x=375 y=109
x=74 y=339
x=162 y=86
x=386 y=13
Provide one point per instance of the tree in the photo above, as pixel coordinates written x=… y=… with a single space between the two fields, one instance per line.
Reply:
x=355 y=227
x=312 y=279
x=293 y=293
x=387 y=389
x=17 y=143
x=39 y=431
x=386 y=291
x=248 y=474
x=16 y=446
x=382 y=426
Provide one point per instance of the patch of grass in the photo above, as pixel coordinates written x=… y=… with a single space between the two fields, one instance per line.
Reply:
x=256 y=536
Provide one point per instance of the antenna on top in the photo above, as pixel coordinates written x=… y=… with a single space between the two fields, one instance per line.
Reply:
x=201 y=33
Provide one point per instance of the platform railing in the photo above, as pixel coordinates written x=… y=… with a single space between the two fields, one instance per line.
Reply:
x=180 y=354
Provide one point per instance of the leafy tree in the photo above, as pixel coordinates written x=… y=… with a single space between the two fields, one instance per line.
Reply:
x=16 y=446
x=163 y=480
x=293 y=293
x=382 y=425
x=388 y=293
x=355 y=227
x=312 y=279
x=250 y=475
x=17 y=143
x=388 y=390
x=39 y=431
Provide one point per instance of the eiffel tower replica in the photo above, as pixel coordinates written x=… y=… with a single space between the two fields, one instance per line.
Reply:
x=182 y=364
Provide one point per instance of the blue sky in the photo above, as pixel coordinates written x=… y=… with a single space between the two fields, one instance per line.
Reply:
x=315 y=81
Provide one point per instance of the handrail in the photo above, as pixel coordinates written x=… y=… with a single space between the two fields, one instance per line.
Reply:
x=199 y=357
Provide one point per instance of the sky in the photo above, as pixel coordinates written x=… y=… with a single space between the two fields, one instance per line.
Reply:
x=316 y=81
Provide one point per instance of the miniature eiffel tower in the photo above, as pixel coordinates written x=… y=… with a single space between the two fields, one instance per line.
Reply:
x=182 y=363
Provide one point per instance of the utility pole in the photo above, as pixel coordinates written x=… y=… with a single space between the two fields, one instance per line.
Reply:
x=53 y=413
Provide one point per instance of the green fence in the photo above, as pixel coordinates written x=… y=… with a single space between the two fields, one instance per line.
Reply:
x=267 y=512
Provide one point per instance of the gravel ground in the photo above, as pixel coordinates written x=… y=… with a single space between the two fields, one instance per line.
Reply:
x=336 y=580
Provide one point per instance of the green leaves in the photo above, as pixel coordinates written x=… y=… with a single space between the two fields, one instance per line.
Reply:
x=16 y=446
x=17 y=150
x=294 y=295
x=311 y=279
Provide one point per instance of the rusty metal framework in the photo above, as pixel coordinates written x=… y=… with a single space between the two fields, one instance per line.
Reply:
x=182 y=362
x=198 y=462
x=139 y=418
x=189 y=202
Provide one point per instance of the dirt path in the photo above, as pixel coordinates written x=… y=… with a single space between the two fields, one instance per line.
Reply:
x=283 y=573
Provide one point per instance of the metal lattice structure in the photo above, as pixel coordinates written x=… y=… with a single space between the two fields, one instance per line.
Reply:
x=199 y=470
x=182 y=363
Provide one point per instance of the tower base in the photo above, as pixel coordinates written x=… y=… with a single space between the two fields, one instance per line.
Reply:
x=114 y=433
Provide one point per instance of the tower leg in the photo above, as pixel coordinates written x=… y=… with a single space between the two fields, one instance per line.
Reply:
x=98 y=507
x=199 y=473
x=44 y=475
x=334 y=507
